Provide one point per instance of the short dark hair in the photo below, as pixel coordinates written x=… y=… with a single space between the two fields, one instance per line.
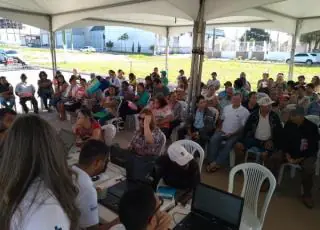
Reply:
x=141 y=84
x=23 y=76
x=91 y=150
x=251 y=94
x=181 y=71
x=238 y=84
x=162 y=101
x=291 y=83
x=199 y=98
x=136 y=208
x=157 y=81
x=112 y=71
x=73 y=77
x=86 y=112
x=214 y=73
x=301 y=76
x=148 y=78
x=310 y=85
x=125 y=83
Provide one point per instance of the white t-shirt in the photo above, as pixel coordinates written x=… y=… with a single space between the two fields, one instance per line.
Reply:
x=87 y=200
x=215 y=83
x=44 y=212
x=234 y=119
x=263 y=131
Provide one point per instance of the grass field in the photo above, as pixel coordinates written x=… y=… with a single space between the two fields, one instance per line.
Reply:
x=143 y=65
x=227 y=70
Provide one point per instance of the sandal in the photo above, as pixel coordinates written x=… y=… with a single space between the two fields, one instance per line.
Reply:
x=210 y=167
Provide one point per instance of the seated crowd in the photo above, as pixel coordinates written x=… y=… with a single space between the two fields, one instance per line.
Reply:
x=271 y=122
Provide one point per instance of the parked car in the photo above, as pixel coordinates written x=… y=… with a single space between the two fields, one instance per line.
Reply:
x=307 y=58
x=3 y=58
x=15 y=55
x=88 y=49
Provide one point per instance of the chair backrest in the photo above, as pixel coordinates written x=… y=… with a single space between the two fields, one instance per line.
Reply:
x=163 y=148
x=184 y=106
x=68 y=138
x=254 y=175
x=109 y=132
x=193 y=147
x=119 y=106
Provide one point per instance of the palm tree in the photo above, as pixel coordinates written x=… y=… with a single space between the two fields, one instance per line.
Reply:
x=125 y=38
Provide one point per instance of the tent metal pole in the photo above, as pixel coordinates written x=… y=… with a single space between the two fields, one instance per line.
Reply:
x=197 y=57
x=53 y=47
x=167 y=49
x=293 y=47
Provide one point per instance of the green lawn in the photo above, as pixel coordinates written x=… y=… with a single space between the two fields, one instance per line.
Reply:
x=227 y=70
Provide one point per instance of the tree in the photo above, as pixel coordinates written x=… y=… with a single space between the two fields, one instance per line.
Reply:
x=257 y=35
x=132 y=48
x=125 y=38
x=151 y=48
x=109 y=45
x=139 y=48
x=307 y=39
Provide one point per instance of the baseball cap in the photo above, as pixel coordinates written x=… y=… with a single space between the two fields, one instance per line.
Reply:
x=265 y=101
x=178 y=154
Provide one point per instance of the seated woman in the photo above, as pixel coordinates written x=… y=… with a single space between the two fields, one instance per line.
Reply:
x=108 y=106
x=86 y=127
x=133 y=81
x=71 y=101
x=45 y=90
x=149 y=139
x=163 y=114
x=6 y=93
x=177 y=110
x=135 y=106
x=59 y=95
x=149 y=85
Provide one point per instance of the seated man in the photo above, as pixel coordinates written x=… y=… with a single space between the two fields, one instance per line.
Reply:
x=300 y=146
x=139 y=209
x=6 y=93
x=178 y=168
x=160 y=89
x=92 y=161
x=233 y=119
x=26 y=93
x=7 y=116
x=201 y=125
x=314 y=108
x=262 y=130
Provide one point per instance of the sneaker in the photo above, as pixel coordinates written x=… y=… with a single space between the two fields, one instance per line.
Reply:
x=308 y=202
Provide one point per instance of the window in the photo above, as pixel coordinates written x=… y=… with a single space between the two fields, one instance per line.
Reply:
x=11 y=52
x=301 y=55
x=314 y=55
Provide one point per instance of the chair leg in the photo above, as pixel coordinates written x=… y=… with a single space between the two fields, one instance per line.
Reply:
x=280 y=176
x=246 y=156
x=232 y=159
x=292 y=172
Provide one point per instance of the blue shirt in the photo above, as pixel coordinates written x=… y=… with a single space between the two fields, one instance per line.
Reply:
x=198 y=121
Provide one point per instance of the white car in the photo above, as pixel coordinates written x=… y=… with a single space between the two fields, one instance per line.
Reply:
x=88 y=49
x=307 y=58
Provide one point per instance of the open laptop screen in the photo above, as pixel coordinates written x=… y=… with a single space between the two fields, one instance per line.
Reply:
x=218 y=204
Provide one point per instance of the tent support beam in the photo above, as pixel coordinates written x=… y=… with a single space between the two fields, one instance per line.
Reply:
x=293 y=47
x=53 y=47
x=197 y=57
x=167 y=49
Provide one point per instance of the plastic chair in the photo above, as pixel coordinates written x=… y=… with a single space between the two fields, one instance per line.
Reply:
x=254 y=150
x=116 y=120
x=193 y=147
x=254 y=176
x=109 y=132
x=163 y=148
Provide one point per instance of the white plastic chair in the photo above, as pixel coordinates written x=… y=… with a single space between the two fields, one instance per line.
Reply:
x=254 y=175
x=193 y=147
x=163 y=148
x=109 y=132
x=116 y=120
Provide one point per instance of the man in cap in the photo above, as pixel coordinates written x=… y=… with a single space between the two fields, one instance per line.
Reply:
x=178 y=168
x=262 y=130
x=300 y=144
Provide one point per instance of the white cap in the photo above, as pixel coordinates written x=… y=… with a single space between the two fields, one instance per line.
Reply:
x=265 y=101
x=178 y=154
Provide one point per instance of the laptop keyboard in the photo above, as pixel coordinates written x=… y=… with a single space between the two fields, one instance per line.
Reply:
x=111 y=202
x=195 y=222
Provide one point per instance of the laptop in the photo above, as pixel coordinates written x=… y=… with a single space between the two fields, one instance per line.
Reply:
x=213 y=209
x=132 y=181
